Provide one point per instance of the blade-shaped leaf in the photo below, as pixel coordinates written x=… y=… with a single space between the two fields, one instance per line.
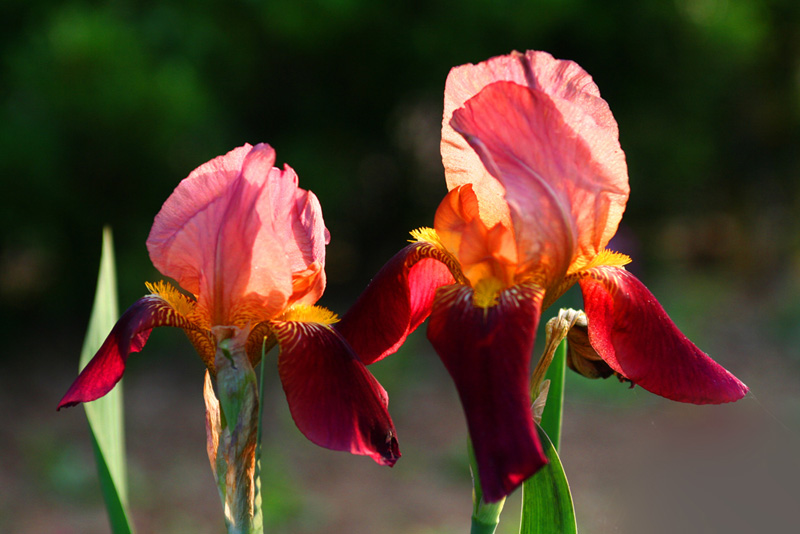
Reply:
x=258 y=501
x=546 y=499
x=105 y=414
x=551 y=417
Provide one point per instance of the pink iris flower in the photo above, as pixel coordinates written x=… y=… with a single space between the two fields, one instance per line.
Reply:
x=246 y=246
x=537 y=186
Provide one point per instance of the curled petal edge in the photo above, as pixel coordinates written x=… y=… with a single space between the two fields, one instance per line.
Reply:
x=334 y=401
x=634 y=335
x=397 y=301
x=129 y=335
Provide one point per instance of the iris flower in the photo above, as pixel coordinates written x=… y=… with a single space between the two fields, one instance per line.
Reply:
x=246 y=247
x=537 y=186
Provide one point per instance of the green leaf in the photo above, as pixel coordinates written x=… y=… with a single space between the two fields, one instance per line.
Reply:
x=258 y=501
x=546 y=499
x=105 y=414
x=551 y=417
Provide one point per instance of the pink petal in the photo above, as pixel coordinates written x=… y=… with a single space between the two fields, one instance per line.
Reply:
x=633 y=334
x=461 y=164
x=129 y=335
x=487 y=352
x=235 y=232
x=297 y=223
x=334 y=400
x=564 y=203
x=569 y=86
x=396 y=302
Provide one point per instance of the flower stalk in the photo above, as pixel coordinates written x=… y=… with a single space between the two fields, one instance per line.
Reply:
x=232 y=433
x=485 y=515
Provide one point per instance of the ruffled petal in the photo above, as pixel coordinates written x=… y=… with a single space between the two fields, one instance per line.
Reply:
x=461 y=164
x=633 y=334
x=297 y=223
x=129 y=335
x=203 y=235
x=335 y=402
x=573 y=93
x=487 y=352
x=396 y=302
x=564 y=204
x=241 y=236
x=482 y=251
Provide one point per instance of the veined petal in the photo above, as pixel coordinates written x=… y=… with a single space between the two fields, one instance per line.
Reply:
x=573 y=93
x=297 y=223
x=487 y=352
x=203 y=236
x=564 y=204
x=483 y=251
x=129 y=335
x=238 y=234
x=396 y=302
x=633 y=334
x=335 y=402
x=461 y=164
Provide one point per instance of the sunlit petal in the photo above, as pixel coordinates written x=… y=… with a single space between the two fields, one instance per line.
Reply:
x=564 y=205
x=396 y=302
x=238 y=233
x=482 y=251
x=487 y=352
x=633 y=334
x=334 y=400
x=129 y=335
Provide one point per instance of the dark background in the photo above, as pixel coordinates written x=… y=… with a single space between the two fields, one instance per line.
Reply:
x=105 y=106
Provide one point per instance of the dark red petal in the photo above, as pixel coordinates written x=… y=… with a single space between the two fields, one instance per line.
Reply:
x=334 y=400
x=487 y=352
x=129 y=335
x=396 y=302
x=631 y=331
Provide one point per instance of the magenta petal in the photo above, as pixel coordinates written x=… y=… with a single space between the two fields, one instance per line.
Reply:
x=334 y=400
x=396 y=302
x=487 y=352
x=634 y=335
x=128 y=335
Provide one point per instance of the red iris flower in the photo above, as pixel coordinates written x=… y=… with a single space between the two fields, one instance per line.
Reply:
x=537 y=186
x=247 y=247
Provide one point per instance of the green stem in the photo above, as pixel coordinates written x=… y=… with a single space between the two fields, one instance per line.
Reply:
x=482 y=528
x=485 y=516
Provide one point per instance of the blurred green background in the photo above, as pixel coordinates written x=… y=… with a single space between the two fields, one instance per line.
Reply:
x=105 y=106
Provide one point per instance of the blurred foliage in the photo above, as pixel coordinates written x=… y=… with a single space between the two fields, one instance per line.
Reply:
x=105 y=106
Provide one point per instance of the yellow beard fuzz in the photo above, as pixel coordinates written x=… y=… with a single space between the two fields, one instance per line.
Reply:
x=604 y=258
x=426 y=235
x=310 y=314
x=486 y=292
x=180 y=302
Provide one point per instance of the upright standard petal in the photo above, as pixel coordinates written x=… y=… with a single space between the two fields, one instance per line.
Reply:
x=297 y=223
x=129 y=335
x=241 y=236
x=487 y=352
x=563 y=204
x=335 y=402
x=571 y=88
x=634 y=335
x=396 y=302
